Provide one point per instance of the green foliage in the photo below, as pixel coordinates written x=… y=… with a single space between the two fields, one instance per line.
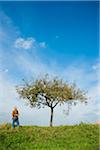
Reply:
x=50 y=92
x=77 y=137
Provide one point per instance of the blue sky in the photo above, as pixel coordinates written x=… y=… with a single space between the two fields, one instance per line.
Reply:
x=76 y=23
x=58 y=38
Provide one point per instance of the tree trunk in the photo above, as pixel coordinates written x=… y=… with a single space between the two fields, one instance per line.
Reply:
x=51 y=118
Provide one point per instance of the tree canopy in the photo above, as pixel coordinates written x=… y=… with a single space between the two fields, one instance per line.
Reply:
x=50 y=92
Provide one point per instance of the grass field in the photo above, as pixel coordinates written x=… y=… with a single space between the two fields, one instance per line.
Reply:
x=77 y=137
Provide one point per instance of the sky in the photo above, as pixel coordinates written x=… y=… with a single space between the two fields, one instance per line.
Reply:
x=58 y=38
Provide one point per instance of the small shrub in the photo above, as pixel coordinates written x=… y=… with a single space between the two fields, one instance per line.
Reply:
x=5 y=126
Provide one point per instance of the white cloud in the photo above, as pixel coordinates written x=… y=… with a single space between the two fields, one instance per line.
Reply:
x=94 y=92
x=7 y=92
x=24 y=43
x=42 y=45
x=28 y=43
x=33 y=67
x=96 y=66
x=97 y=113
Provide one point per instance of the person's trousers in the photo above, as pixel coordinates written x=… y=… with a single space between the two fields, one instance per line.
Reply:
x=15 y=122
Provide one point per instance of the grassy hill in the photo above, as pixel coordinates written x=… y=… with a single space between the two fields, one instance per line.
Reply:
x=77 y=137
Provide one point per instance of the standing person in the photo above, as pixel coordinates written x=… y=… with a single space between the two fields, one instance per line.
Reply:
x=15 y=119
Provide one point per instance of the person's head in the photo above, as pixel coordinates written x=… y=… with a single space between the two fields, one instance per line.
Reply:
x=15 y=108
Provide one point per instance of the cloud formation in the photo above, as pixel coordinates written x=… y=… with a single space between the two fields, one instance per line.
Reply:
x=42 y=44
x=28 y=43
x=24 y=43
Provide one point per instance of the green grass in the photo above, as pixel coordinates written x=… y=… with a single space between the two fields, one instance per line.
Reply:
x=77 y=137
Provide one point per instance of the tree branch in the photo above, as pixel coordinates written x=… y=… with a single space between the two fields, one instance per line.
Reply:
x=47 y=101
x=55 y=104
x=46 y=98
